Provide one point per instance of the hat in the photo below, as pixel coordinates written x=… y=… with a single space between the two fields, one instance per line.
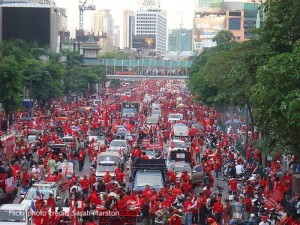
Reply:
x=210 y=220
x=176 y=211
x=252 y=215
x=205 y=188
x=264 y=218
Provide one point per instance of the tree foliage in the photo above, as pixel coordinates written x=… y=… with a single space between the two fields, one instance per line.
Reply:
x=262 y=73
x=11 y=89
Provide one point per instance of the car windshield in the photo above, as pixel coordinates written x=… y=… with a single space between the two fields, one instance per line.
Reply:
x=108 y=159
x=128 y=112
x=103 y=168
x=117 y=144
x=32 y=194
x=179 y=144
x=150 y=153
x=31 y=138
x=175 y=116
x=152 y=120
x=180 y=168
x=68 y=139
x=11 y=215
x=148 y=178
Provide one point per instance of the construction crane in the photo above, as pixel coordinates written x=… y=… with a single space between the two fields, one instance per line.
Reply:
x=83 y=6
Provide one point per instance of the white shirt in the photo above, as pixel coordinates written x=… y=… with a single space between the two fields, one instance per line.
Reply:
x=239 y=169
x=263 y=223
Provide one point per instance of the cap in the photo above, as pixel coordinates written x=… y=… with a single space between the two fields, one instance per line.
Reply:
x=176 y=211
x=210 y=220
x=205 y=188
x=252 y=215
x=264 y=218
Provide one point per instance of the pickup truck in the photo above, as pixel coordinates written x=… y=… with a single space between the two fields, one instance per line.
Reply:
x=150 y=172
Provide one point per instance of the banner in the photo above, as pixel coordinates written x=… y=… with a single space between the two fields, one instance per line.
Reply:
x=67 y=168
x=9 y=184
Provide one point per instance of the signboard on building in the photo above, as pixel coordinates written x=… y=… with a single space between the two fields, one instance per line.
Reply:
x=144 y=41
x=208 y=25
x=149 y=4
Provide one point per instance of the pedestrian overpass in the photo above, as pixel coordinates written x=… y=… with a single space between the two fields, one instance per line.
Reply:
x=142 y=68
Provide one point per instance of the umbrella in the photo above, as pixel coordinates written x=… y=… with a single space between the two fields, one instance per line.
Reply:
x=233 y=121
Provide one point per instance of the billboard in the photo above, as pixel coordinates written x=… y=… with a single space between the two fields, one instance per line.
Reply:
x=28 y=24
x=208 y=26
x=144 y=41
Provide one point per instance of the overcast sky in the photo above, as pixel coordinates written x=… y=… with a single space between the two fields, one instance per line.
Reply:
x=177 y=11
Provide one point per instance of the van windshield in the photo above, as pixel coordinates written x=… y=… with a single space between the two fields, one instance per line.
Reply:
x=18 y=216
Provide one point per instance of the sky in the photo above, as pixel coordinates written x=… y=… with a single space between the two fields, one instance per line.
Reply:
x=178 y=11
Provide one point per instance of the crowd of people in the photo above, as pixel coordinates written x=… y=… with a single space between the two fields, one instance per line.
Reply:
x=247 y=187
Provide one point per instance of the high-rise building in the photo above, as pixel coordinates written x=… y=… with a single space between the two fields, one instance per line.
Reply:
x=33 y=21
x=150 y=28
x=116 y=38
x=180 y=40
x=102 y=22
x=128 y=24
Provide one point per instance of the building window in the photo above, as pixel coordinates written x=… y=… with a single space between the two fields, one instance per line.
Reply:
x=234 y=13
x=234 y=23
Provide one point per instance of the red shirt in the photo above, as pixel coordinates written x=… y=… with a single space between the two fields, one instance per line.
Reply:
x=233 y=182
x=175 y=220
x=84 y=184
x=218 y=207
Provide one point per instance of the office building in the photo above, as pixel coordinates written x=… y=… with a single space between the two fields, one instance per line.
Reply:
x=102 y=23
x=33 y=21
x=180 y=40
x=128 y=21
x=150 y=28
x=116 y=38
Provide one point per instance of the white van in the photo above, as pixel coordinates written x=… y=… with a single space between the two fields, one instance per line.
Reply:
x=15 y=214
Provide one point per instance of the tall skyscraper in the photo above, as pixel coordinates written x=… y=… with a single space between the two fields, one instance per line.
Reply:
x=128 y=22
x=102 y=22
x=150 y=28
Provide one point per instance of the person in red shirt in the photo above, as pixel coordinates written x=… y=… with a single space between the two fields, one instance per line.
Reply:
x=25 y=178
x=144 y=156
x=218 y=209
x=147 y=191
x=16 y=170
x=201 y=205
x=186 y=187
x=51 y=204
x=233 y=182
x=120 y=177
x=172 y=176
x=91 y=222
x=175 y=218
x=184 y=177
x=94 y=197
x=197 y=152
x=107 y=177
x=217 y=167
x=93 y=178
x=85 y=184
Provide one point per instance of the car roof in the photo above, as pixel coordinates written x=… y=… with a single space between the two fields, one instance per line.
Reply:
x=118 y=140
x=44 y=184
x=109 y=152
x=13 y=207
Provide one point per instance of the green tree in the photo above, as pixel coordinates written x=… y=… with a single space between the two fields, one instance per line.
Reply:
x=11 y=88
x=223 y=37
x=276 y=98
x=114 y=55
x=281 y=28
